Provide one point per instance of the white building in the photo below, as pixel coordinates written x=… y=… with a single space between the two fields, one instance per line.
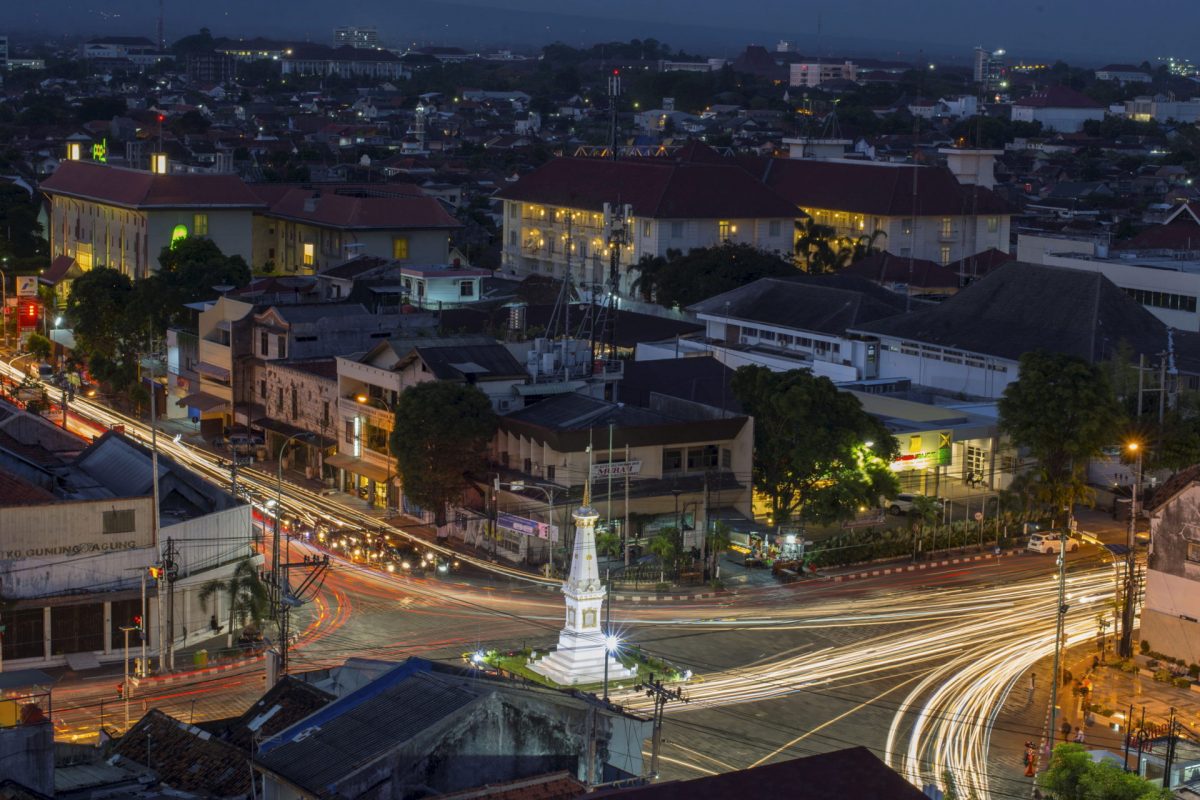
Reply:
x=814 y=73
x=1171 y=614
x=1058 y=108
x=1123 y=73
x=358 y=37
x=1162 y=109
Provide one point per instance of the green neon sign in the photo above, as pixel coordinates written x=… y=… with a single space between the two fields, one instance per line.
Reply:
x=178 y=234
x=100 y=151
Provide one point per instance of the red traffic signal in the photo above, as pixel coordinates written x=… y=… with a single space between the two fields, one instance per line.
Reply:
x=137 y=622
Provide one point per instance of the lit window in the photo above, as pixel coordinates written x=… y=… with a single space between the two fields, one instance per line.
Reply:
x=400 y=248
x=906 y=226
x=308 y=254
x=947 y=226
x=945 y=255
x=200 y=224
x=993 y=224
x=724 y=230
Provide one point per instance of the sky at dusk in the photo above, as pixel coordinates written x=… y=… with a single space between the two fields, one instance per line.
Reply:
x=1095 y=29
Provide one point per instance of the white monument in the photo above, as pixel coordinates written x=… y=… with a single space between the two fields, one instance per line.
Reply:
x=582 y=652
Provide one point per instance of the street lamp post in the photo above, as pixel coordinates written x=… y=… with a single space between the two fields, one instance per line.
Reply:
x=4 y=300
x=611 y=645
x=548 y=491
x=1131 y=539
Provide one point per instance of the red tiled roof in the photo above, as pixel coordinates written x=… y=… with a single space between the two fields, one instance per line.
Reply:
x=15 y=491
x=353 y=208
x=1180 y=232
x=916 y=272
x=136 y=189
x=698 y=188
x=57 y=271
x=878 y=189
x=981 y=264
x=1058 y=97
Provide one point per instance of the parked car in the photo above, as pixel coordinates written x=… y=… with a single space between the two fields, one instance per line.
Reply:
x=903 y=503
x=1050 y=542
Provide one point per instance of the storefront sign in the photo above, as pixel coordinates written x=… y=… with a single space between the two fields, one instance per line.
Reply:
x=83 y=548
x=617 y=469
x=27 y=286
x=924 y=451
x=528 y=527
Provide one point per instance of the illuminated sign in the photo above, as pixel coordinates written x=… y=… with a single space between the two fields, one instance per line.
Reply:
x=100 y=151
x=27 y=286
x=528 y=527
x=925 y=450
x=179 y=233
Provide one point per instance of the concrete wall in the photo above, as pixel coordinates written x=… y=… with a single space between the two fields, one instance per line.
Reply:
x=27 y=756
x=907 y=360
x=1131 y=275
x=331 y=245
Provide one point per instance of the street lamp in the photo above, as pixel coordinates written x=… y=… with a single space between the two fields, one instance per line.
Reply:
x=1127 y=611
x=611 y=645
x=364 y=399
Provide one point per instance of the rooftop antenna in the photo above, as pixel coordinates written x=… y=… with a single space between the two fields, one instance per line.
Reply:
x=162 y=39
x=614 y=91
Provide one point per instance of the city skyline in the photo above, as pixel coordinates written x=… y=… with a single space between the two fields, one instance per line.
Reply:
x=1086 y=31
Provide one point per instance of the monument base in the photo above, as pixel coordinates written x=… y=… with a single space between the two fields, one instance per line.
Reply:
x=579 y=660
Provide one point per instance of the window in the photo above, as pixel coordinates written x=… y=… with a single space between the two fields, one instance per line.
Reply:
x=279 y=398
x=200 y=224
x=1193 y=551
x=944 y=255
x=400 y=247
x=672 y=461
x=295 y=404
x=773 y=228
x=726 y=458
x=993 y=224
x=550 y=472
x=118 y=521
x=1167 y=300
x=702 y=458
x=906 y=227
x=512 y=238
x=264 y=339
x=676 y=230
x=281 y=346
x=724 y=230
x=308 y=254
x=262 y=390
x=466 y=289
x=947 y=227
x=349 y=435
x=645 y=227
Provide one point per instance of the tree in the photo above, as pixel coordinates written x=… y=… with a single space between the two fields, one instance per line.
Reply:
x=924 y=511
x=663 y=546
x=39 y=346
x=442 y=430
x=189 y=269
x=681 y=280
x=717 y=541
x=96 y=307
x=246 y=594
x=1062 y=410
x=820 y=250
x=816 y=452
x=1072 y=775
x=608 y=544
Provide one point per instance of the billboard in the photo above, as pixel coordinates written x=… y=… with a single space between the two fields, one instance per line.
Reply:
x=616 y=469
x=27 y=286
x=528 y=527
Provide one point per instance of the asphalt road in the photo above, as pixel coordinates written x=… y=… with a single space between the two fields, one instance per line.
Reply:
x=916 y=666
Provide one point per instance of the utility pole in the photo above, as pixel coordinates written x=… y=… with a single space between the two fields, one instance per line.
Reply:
x=154 y=512
x=1127 y=611
x=625 y=527
x=662 y=696
x=142 y=668
x=125 y=685
x=170 y=571
x=608 y=514
x=1060 y=614
x=1171 y=738
x=704 y=533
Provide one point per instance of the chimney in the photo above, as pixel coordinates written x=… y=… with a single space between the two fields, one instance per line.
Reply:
x=310 y=203
x=972 y=167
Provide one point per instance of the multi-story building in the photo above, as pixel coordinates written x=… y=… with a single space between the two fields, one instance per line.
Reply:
x=988 y=68
x=1145 y=108
x=3 y=53
x=80 y=534
x=307 y=228
x=940 y=214
x=370 y=385
x=224 y=347
x=137 y=50
x=355 y=36
x=122 y=218
x=1170 y=619
x=345 y=61
x=1058 y=108
x=1123 y=73
x=814 y=73
x=298 y=396
x=558 y=216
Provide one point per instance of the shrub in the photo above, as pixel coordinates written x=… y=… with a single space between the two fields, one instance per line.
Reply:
x=1144 y=646
x=1162 y=675
x=1182 y=683
x=1194 y=671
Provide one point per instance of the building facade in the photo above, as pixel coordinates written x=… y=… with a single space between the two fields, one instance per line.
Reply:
x=1170 y=618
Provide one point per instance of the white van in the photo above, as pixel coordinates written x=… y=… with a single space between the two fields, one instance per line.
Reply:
x=1050 y=542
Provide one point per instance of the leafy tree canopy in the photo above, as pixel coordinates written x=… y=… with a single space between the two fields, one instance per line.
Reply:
x=685 y=279
x=442 y=431
x=1062 y=410
x=817 y=454
x=1072 y=775
x=192 y=267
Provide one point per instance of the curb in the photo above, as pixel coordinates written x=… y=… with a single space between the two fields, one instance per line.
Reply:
x=876 y=573
x=180 y=677
x=666 y=598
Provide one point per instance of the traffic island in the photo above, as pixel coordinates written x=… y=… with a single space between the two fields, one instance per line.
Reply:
x=519 y=663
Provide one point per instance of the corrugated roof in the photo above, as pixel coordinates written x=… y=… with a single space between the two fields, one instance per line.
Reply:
x=356 y=209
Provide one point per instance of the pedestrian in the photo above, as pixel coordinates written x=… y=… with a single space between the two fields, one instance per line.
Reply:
x=1078 y=735
x=1031 y=760
x=1032 y=681
x=1066 y=731
x=1095 y=662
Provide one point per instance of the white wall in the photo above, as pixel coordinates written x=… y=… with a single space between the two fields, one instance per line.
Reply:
x=895 y=362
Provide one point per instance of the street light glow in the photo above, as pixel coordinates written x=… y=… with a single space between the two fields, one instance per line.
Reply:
x=362 y=398
x=1133 y=446
x=612 y=643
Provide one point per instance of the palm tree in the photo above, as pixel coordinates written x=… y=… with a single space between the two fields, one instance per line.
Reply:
x=663 y=546
x=718 y=541
x=246 y=593
x=608 y=544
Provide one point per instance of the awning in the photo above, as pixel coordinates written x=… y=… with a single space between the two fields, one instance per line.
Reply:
x=357 y=466
x=60 y=268
x=287 y=429
x=201 y=401
x=212 y=371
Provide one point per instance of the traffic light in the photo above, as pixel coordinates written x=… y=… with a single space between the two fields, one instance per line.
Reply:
x=137 y=623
